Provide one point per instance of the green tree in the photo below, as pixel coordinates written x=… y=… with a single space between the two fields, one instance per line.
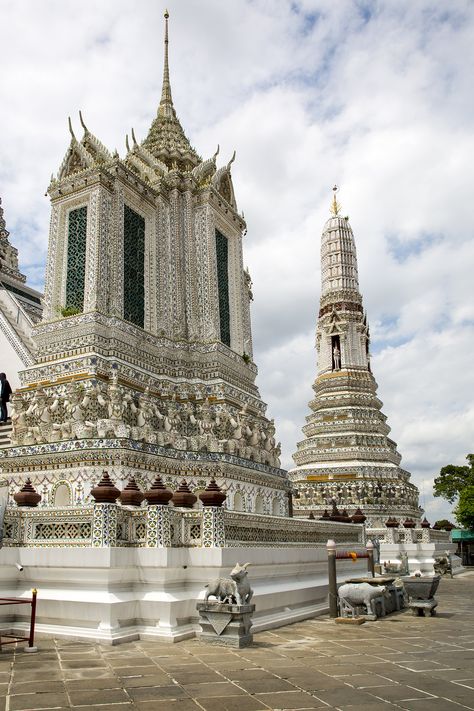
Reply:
x=453 y=479
x=444 y=525
x=465 y=508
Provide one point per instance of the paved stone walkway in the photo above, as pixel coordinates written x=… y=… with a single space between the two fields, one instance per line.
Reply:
x=402 y=662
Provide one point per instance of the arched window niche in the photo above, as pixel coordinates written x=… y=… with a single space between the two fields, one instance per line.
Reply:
x=259 y=504
x=238 y=501
x=62 y=494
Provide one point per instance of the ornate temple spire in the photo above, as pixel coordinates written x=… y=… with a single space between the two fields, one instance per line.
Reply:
x=346 y=455
x=4 y=233
x=8 y=253
x=166 y=139
x=166 y=107
x=338 y=257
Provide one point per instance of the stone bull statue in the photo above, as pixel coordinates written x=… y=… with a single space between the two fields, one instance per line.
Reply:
x=234 y=590
x=355 y=594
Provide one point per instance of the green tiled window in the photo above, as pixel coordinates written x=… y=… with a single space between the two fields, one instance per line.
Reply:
x=222 y=255
x=76 y=258
x=133 y=267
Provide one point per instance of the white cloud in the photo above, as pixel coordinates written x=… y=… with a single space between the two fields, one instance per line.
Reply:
x=374 y=96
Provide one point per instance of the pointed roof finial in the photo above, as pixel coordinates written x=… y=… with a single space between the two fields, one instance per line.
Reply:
x=70 y=127
x=166 y=104
x=335 y=207
x=82 y=122
x=231 y=161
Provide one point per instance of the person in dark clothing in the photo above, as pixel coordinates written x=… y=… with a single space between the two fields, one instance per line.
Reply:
x=5 y=392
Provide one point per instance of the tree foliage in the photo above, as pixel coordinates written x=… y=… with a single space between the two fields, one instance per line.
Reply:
x=465 y=508
x=453 y=479
x=444 y=525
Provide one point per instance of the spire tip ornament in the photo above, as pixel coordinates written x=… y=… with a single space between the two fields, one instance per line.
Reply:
x=335 y=207
x=166 y=104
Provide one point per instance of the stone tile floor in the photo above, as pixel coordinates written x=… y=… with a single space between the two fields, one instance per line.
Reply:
x=401 y=662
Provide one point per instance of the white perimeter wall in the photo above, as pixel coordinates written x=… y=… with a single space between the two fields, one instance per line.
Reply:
x=117 y=594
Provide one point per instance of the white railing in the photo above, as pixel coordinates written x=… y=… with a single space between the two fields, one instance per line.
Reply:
x=408 y=535
x=113 y=525
x=45 y=528
x=257 y=529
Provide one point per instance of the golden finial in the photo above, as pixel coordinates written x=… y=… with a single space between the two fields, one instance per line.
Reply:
x=166 y=15
x=335 y=207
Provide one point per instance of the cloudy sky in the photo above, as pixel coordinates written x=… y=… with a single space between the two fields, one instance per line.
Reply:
x=374 y=96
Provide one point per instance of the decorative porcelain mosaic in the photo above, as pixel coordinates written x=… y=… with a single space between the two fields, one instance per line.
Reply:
x=346 y=457
x=76 y=258
x=110 y=525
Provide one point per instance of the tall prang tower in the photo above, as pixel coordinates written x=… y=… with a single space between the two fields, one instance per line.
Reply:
x=143 y=358
x=346 y=457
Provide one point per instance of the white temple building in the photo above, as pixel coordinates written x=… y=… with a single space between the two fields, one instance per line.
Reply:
x=141 y=364
x=347 y=458
x=142 y=361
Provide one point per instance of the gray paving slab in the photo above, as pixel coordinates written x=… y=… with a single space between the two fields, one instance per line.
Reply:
x=399 y=662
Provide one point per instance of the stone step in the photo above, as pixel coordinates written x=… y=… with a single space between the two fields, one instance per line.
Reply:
x=5 y=434
x=21 y=333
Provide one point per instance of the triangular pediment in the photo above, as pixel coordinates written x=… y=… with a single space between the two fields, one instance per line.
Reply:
x=76 y=159
x=222 y=181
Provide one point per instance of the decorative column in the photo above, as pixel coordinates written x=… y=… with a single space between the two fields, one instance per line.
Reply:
x=213 y=527
x=51 y=301
x=158 y=515
x=98 y=229
x=104 y=526
x=391 y=525
x=104 y=522
x=158 y=526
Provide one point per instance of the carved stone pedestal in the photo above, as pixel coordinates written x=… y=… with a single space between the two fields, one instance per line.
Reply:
x=418 y=607
x=225 y=624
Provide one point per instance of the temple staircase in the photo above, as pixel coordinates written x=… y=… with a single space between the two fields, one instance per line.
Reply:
x=5 y=434
x=18 y=325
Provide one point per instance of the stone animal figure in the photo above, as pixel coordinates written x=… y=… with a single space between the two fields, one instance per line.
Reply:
x=360 y=594
x=235 y=589
x=442 y=564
